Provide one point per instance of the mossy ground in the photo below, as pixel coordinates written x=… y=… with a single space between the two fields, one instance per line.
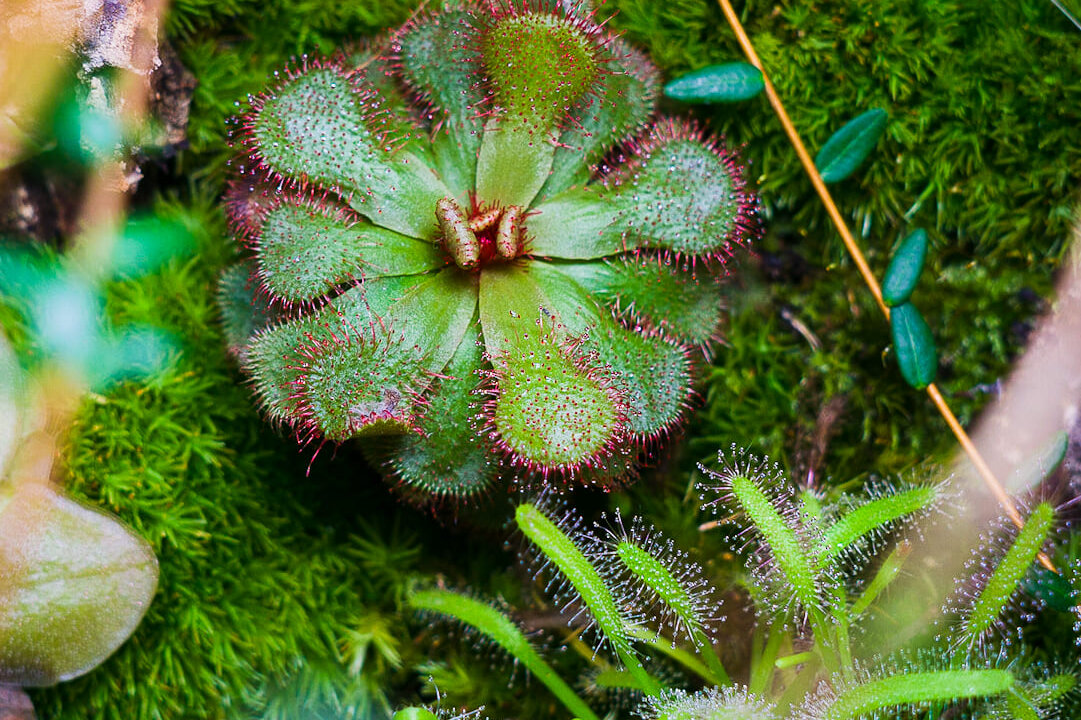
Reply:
x=279 y=591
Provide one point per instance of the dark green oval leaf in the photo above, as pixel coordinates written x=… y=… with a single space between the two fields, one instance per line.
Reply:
x=849 y=146
x=1049 y=587
x=905 y=268
x=915 y=346
x=730 y=82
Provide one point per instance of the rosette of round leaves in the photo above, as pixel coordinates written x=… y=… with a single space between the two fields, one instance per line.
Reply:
x=475 y=245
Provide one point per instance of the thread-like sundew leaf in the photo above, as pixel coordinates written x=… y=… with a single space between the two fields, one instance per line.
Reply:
x=674 y=595
x=913 y=688
x=886 y=574
x=499 y=628
x=779 y=538
x=849 y=147
x=914 y=345
x=730 y=82
x=873 y=515
x=74 y=584
x=1001 y=585
x=904 y=269
x=587 y=582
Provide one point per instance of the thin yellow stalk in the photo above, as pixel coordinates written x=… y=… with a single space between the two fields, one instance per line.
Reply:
x=857 y=256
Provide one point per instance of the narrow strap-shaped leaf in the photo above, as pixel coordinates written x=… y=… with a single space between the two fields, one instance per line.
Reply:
x=587 y=582
x=874 y=515
x=913 y=688
x=513 y=164
x=675 y=596
x=499 y=628
x=779 y=538
x=849 y=147
x=885 y=575
x=914 y=345
x=904 y=269
x=995 y=595
x=730 y=82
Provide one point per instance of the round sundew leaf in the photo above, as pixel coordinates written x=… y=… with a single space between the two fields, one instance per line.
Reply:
x=74 y=584
x=538 y=64
x=680 y=195
x=315 y=128
x=730 y=82
x=621 y=102
x=352 y=385
x=654 y=376
x=530 y=290
x=577 y=224
x=849 y=147
x=914 y=345
x=352 y=379
x=904 y=269
x=269 y=353
x=681 y=301
x=447 y=457
x=550 y=412
x=303 y=252
x=436 y=53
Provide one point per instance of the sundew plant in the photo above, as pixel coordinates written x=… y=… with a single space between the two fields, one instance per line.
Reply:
x=818 y=567
x=475 y=243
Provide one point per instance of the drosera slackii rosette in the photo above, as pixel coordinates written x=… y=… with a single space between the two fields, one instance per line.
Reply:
x=474 y=246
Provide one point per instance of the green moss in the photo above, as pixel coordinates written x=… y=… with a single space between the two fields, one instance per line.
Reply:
x=279 y=591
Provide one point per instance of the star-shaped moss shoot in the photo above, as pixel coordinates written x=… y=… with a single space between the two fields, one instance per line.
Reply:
x=474 y=247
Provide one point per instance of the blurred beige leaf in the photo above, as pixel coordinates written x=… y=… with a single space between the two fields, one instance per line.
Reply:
x=74 y=584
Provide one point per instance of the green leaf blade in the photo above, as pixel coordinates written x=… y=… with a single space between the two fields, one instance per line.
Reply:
x=847 y=148
x=914 y=345
x=904 y=269
x=730 y=82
